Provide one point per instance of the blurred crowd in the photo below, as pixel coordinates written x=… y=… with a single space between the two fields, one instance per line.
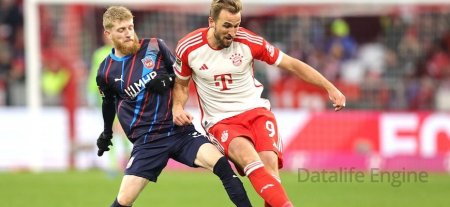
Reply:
x=396 y=61
x=12 y=67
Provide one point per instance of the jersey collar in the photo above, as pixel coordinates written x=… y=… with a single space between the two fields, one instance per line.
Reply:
x=114 y=57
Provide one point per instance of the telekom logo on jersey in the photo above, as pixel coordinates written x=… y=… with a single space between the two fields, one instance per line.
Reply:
x=222 y=80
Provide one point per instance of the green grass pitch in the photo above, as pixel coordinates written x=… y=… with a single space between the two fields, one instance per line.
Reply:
x=203 y=189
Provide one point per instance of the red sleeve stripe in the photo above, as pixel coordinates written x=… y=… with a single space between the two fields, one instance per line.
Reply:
x=194 y=43
x=107 y=70
x=248 y=34
x=182 y=46
x=249 y=37
x=158 y=63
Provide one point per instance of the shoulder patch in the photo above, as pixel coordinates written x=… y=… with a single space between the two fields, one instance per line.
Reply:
x=178 y=64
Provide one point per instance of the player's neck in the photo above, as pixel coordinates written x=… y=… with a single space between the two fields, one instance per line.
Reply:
x=211 y=39
x=118 y=54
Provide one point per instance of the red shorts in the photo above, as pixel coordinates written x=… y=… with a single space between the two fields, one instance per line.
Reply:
x=258 y=125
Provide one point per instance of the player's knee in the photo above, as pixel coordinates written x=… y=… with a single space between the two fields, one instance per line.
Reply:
x=117 y=204
x=270 y=160
x=242 y=151
x=207 y=156
x=124 y=200
x=243 y=159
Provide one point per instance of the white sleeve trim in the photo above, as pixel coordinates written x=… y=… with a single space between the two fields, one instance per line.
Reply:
x=280 y=57
x=180 y=76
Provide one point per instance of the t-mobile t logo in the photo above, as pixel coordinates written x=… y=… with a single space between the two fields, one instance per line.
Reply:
x=222 y=80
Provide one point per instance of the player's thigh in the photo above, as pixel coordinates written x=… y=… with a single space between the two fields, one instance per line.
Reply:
x=187 y=148
x=148 y=161
x=130 y=188
x=265 y=130
x=207 y=156
x=268 y=143
x=223 y=133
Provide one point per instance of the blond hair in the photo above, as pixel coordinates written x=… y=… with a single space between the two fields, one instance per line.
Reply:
x=232 y=6
x=115 y=13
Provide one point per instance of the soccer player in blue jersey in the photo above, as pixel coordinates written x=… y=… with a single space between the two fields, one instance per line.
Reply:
x=135 y=82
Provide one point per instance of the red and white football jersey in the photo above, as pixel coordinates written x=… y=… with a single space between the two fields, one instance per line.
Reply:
x=224 y=78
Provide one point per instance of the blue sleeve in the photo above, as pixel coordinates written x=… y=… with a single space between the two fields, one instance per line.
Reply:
x=108 y=101
x=167 y=56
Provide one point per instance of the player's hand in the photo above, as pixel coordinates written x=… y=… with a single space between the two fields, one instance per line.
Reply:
x=161 y=83
x=337 y=98
x=103 y=143
x=181 y=117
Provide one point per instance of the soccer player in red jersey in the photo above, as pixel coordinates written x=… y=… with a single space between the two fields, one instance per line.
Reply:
x=219 y=60
x=135 y=82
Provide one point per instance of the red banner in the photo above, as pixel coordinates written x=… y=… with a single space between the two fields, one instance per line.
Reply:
x=363 y=140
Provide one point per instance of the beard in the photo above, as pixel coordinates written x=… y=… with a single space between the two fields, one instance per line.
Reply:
x=221 y=41
x=128 y=49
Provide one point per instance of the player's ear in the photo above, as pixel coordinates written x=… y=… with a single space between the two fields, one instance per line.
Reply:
x=107 y=34
x=211 y=22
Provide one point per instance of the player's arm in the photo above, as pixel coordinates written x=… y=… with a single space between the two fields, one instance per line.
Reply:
x=180 y=97
x=109 y=113
x=169 y=57
x=309 y=74
x=163 y=82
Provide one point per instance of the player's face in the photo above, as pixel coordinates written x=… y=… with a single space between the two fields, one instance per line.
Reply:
x=123 y=37
x=225 y=28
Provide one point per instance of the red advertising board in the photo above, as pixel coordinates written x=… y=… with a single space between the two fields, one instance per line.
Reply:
x=363 y=140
